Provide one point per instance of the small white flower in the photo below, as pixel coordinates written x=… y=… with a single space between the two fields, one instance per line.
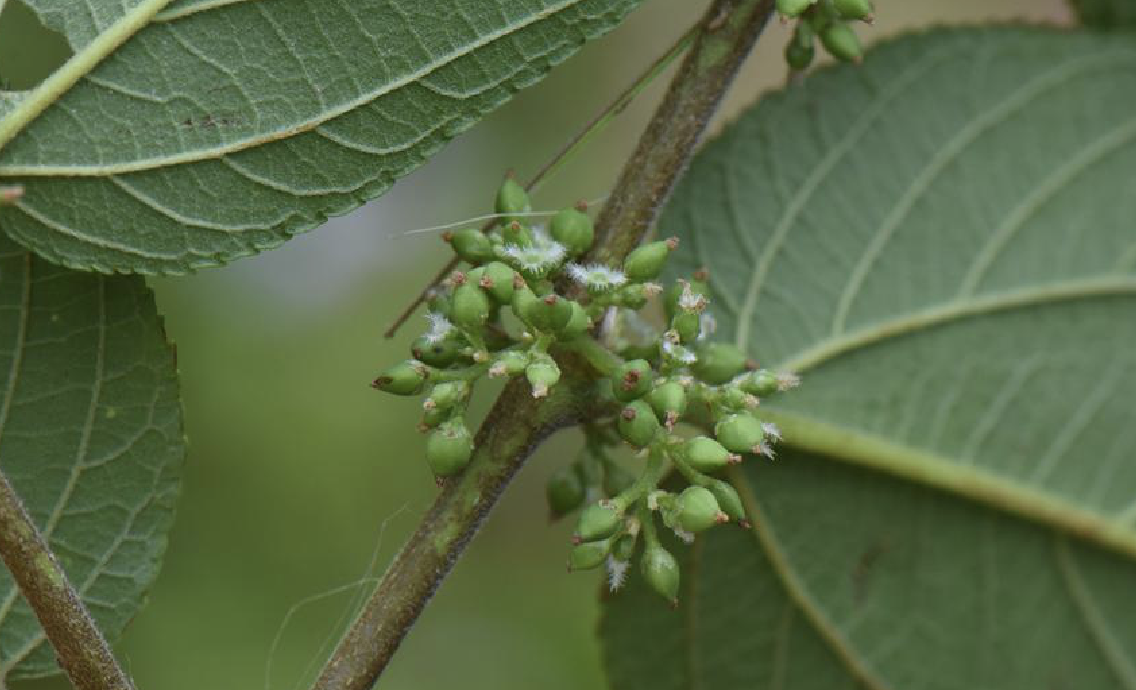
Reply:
x=787 y=380
x=541 y=256
x=440 y=327
x=596 y=276
x=678 y=352
x=765 y=449
x=771 y=431
x=616 y=573
x=691 y=301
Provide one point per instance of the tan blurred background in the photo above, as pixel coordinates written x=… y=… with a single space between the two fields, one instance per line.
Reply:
x=302 y=481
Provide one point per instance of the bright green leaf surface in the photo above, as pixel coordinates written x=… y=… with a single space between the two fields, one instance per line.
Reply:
x=222 y=128
x=90 y=436
x=941 y=242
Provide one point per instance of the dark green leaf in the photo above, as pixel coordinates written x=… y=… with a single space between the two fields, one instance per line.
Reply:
x=1106 y=14
x=90 y=436
x=223 y=128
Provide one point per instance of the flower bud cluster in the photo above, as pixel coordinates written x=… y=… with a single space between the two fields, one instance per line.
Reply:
x=656 y=387
x=827 y=20
x=526 y=294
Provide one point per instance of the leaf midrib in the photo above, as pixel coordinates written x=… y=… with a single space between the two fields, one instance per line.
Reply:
x=231 y=147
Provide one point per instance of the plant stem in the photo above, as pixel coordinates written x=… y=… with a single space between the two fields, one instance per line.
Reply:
x=594 y=126
x=80 y=648
x=517 y=422
x=729 y=31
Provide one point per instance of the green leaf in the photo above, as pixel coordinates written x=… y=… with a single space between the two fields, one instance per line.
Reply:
x=224 y=127
x=1106 y=14
x=941 y=243
x=90 y=437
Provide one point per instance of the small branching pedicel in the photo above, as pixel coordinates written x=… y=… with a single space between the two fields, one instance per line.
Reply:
x=649 y=382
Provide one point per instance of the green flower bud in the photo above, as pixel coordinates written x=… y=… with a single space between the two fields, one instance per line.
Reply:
x=448 y=448
x=660 y=570
x=841 y=42
x=705 y=454
x=668 y=400
x=741 y=433
x=854 y=9
x=646 y=262
x=404 y=378
x=565 y=490
x=553 y=313
x=589 y=554
x=638 y=424
x=760 y=383
x=793 y=8
x=577 y=325
x=498 y=282
x=439 y=353
x=633 y=296
x=446 y=394
x=471 y=244
x=623 y=548
x=510 y=363
x=698 y=510
x=734 y=398
x=526 y=305
x=512 y=198
x=729 y=501
x=632 y=380
x=688 y=325
x=471 y=307
x=616 y=479
x=719 y=362
x=573 y=229
x=434 y=416
x=801 y=49
x=542 y=375
x=517 y=233
x=598 y=521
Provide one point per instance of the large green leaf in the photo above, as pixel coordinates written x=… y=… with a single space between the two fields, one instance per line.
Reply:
x=942 y=242
x=90 y=437
x=222 y=128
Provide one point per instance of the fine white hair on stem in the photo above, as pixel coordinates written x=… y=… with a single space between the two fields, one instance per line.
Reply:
x=478 y=220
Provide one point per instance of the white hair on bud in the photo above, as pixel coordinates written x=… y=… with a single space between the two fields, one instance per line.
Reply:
x=596 y=276
x=616 y=573
x=440 y=327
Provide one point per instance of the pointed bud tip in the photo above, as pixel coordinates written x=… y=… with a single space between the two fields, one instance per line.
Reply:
x=672 y=243
x=581 y=206
x=448 y=237
x=12 y=194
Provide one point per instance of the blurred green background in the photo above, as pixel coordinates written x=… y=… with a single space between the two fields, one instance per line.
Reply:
x=302 y=482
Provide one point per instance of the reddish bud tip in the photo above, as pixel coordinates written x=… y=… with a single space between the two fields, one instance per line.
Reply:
x=702 y=275
x=581 y=206
x=721 y=517
x=628 y=413
x=457 y=278
x=518 y=281
x=745 y=524
x=733 y=459
x=447 y=236
x=672 y=243
x=551 y=300
x=485 y=282
x=751 y=365
x=382 y=381
x=576 y=540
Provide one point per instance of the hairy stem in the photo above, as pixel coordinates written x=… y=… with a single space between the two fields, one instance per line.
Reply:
x=79 y=646
x=518 y=423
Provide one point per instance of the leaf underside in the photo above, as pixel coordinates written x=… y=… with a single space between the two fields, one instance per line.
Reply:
x=223 y=128
x=942 y=243
x=90 y=437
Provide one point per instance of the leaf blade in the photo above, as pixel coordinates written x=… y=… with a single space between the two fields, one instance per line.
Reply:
x=936 y=241
x=90 y=437
x=341 y=101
